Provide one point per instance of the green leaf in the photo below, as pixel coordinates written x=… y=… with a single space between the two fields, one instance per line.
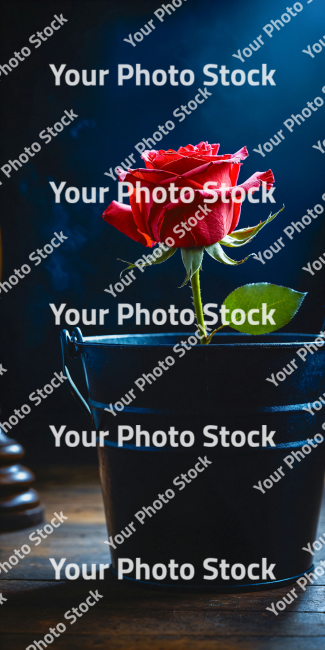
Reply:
x=192 y=260
x=219 y=254
x=165 y=256
x=244 y=236
x=283 y=300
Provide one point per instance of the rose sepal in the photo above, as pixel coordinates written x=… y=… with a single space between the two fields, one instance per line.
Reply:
x=162 y=258
x=217 y=252
x=245 y=235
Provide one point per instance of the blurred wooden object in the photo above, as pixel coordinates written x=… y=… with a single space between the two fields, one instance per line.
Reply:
x=19 y=503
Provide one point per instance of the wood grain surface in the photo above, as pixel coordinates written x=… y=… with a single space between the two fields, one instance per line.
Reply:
x=127 y=616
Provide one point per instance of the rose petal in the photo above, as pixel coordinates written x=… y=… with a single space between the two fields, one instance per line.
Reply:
x=172 y=160
x=183 y=165
x=221 y=218
x=218 y=172
x=208 y=230
x=157 y=159
x=254 y=181
x=120 y=216
x=141 y=208
x=202 y=148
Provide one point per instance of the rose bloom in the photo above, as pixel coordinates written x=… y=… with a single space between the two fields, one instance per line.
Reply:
x=190 y=166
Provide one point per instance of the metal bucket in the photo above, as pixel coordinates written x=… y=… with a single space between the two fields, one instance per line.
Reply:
x=217 y=514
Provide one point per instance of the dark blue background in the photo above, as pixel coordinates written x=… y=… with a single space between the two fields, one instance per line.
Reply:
x=111 y=120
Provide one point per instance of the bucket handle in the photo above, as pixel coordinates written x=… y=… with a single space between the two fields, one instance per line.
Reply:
x=67 y=345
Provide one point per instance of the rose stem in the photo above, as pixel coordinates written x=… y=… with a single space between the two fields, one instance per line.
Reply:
x=195 y=282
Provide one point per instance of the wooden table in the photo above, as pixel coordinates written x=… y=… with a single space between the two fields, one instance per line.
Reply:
x=129 y=617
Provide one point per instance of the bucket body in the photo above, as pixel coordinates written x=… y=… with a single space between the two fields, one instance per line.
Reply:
x=216 y=518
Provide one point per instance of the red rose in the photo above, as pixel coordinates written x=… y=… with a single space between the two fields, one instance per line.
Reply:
x=191 y=167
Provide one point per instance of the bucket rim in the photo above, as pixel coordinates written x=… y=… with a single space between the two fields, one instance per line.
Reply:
x=152 y=340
